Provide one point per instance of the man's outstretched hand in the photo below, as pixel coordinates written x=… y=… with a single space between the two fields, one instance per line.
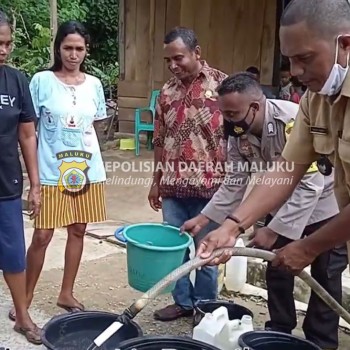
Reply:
x=294 y=257
x=219 y=238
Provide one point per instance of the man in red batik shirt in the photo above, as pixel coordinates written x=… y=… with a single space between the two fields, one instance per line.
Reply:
x=189 y=156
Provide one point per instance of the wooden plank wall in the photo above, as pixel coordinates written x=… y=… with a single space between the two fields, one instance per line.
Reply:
x=233 y=35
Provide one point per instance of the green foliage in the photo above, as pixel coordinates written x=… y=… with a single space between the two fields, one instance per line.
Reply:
x=32 y=36
x=102 y=23
x=31 y=53
x=72 y=10
x=108 y=74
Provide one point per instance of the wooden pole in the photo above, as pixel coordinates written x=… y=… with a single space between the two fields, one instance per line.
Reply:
x=151 y=41
x=121 y=39
x=53 y=26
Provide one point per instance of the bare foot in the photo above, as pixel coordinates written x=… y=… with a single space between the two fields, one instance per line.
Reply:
x=70 y=304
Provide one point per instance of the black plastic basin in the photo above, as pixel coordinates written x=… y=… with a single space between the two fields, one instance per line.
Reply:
x=76 y=331
x=264 y=340
x=164 y=342
x=235 y=311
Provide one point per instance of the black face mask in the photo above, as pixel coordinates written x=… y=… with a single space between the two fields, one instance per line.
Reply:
x=239 y=128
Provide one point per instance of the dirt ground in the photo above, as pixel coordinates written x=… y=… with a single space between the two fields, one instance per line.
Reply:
x=102 y=283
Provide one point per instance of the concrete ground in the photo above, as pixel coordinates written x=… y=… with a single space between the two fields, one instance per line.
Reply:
x=102 y=280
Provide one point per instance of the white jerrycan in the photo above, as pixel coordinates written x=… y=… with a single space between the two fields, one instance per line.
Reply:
x=210 y=325
x=236 y=270
x=227 y=338
x=247 y=324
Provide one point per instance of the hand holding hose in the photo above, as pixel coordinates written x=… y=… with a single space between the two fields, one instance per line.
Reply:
x=294 y=257
x=262 y=238
x=223 y=237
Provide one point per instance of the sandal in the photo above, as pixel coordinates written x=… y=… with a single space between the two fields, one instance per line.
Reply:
x=72 y=308
x=33 y=335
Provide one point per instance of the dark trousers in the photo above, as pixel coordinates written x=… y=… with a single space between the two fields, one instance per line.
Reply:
x=321 y=323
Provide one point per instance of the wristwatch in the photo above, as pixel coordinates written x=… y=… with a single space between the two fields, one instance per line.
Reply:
x=237 y=221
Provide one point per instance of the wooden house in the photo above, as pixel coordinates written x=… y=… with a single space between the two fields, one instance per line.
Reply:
x=233 y=35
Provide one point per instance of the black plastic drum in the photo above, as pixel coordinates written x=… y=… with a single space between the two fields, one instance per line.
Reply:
x=264 y=340
x=164 y=342
x=77 y=331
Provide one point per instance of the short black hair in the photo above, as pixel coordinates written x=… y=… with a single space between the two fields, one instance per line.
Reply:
x=243 y=82
x=253 y=70
x=324 y=17
x=4 y=20
x=187 y=35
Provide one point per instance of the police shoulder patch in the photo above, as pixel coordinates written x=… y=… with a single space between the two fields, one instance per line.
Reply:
x=271 y=128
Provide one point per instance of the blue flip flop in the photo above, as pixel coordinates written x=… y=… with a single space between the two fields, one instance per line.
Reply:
x=118 y=234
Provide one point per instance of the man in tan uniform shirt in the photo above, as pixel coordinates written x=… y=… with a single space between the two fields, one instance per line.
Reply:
x=257 y=130
x=315 y=35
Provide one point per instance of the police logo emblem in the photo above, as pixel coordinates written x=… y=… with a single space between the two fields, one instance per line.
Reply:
x=73 y=176
x=238 y=130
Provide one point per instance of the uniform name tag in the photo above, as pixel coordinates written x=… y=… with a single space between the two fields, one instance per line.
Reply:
x=318 y=130
x=246 y=148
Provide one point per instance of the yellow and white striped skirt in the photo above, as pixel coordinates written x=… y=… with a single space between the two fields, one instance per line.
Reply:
x=61 y=209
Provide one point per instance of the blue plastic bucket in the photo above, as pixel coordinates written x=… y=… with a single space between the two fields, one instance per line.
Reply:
x=153 y=251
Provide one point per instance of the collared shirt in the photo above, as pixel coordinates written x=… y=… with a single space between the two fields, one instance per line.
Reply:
x=322 y=130
x=313 y=199
x=189 y=128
